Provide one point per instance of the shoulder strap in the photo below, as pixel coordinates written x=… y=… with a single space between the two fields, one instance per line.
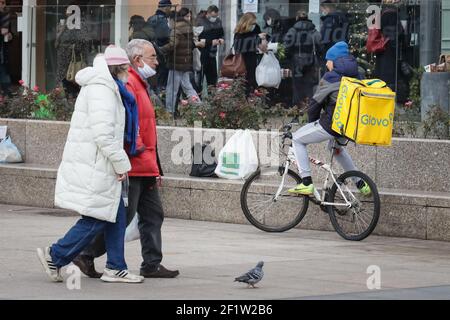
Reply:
x=314 y=44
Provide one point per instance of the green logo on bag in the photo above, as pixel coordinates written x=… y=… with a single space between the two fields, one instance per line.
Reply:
x=368 y=120
x=230 y=163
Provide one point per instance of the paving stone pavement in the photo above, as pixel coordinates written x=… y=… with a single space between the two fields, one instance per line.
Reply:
x=299 y=264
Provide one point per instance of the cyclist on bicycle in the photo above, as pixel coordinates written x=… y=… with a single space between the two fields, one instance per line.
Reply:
x=340 y=63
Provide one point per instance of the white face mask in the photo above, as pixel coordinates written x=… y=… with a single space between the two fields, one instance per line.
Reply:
x=269 y=22
x=212 y=19
x=147 y=71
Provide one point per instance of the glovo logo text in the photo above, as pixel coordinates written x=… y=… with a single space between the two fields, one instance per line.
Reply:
x=368 y=120
x=339 y=106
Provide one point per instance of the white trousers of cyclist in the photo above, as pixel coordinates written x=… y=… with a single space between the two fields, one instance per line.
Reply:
x=315 y=133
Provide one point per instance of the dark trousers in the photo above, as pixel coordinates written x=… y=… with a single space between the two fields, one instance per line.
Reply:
x=303 y=86
x=209 y=70
x=251 y=62
x=143 y=197
x=5 y=80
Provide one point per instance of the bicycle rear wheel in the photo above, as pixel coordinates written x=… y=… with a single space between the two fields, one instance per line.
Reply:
x=262 y=209
x=357 y=222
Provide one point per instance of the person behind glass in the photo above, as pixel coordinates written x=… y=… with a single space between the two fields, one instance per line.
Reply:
x=68 y=38
x=335 y=25
x=159 y=26
x=143 y=195
x=138 y=29
x=212 y=36
x=93 y=167
x=300 y=42
x=386 y=67
x=248 y=41
x=277 y=27
x=200 y=16
x=5 y=38
x=180 y=60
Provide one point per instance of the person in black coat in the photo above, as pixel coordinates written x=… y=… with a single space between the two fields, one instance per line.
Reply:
x=248 y=40
x=303 y=44
x=158 y=25
x=386 y=64
x=212 y=36
x=277 y=27
x=277 y=24
x=5 y=37
x=335 y=25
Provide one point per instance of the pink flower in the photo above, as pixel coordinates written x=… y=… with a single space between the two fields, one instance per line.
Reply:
x=409 y=104
x=184 y=103
x=22 y=83
x=222 y=115
x=258 y=93
x=224 y=86
x=36 y=89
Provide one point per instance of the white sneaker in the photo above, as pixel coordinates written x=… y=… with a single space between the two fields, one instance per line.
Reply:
x=49 y=267
x=121 y=276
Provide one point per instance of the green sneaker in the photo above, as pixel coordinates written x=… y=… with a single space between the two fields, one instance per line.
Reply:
x=303 y=190
x=365 y=190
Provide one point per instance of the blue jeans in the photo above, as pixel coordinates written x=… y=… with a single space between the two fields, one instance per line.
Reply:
x=84 y=231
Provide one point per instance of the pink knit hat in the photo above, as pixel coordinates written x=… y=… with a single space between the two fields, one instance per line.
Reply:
x=115 y=56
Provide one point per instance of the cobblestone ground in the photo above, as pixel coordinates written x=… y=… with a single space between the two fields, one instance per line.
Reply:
x=298 y=264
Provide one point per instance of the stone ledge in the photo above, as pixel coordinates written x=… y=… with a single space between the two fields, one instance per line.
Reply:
x=42 y=142
x=28 y=170
x=405 y=213
x=388 y=196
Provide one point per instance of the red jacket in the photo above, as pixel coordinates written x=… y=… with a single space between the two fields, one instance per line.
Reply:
x=145 y=164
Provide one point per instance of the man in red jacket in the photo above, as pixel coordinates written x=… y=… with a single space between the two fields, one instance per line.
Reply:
x=143 y=196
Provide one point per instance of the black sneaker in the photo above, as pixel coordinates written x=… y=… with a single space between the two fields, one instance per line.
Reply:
x=161 y=272
x=87 y=266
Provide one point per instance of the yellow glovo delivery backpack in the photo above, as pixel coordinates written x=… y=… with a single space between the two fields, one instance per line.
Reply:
x=364 y=111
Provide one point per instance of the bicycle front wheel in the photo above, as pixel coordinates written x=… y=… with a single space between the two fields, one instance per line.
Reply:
x=357 y=222
x=266 y=203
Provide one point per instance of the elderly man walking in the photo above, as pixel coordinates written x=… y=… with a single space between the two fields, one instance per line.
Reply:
x=143 y=194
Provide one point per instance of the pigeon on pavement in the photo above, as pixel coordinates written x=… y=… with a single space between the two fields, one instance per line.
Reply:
x=253 y=276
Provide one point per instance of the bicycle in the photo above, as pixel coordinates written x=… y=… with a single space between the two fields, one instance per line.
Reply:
x=353 y=216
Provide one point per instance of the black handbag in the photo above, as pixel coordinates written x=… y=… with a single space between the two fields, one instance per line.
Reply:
x=202 y=167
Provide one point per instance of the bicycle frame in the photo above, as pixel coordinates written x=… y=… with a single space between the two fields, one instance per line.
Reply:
x=291 y=159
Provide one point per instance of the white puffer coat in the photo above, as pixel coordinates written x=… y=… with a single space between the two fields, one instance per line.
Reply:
x=93 y=154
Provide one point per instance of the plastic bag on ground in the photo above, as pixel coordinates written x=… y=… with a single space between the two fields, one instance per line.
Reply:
x=9 y=152
x=238 y=159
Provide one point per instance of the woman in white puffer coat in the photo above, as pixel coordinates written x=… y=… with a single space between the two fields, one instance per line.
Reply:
x=93 y=167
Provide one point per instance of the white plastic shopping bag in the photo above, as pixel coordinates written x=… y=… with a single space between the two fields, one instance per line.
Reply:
x=273 y=46
x=268 y=72
x=238 y=158
x=197 y=62
x=132 y=232
x=9 y=152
